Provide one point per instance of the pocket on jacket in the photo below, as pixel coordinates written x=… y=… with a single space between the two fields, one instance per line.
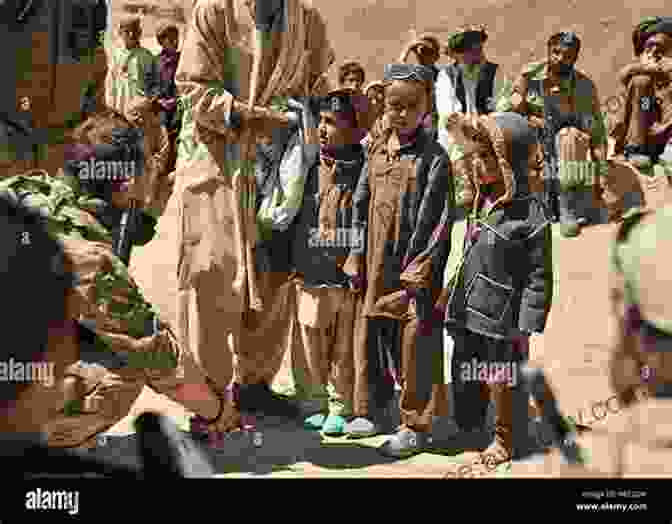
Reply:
x=488 y=298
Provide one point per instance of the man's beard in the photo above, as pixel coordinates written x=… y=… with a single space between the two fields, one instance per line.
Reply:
x=564 y=69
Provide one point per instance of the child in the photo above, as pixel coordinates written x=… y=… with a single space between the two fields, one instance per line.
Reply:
x=351 y=75
x=142 y=112
x=322 y=237
x=502 y=291
x=404 y=206
x=164 y=90
x=375 y=94
x=126 y=77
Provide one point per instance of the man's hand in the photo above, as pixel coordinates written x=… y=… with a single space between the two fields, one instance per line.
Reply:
x=156 y=343
x=260 y=120
x=535 y=122
x=417 y=46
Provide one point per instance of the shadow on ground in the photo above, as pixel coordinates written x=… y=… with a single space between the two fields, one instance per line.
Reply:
x=289 y=450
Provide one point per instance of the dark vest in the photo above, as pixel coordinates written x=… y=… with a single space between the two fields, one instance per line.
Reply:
x=484 y=88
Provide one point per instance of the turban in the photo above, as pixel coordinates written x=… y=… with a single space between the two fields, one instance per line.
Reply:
x=566 y=39
x=648 y=27
x=467 y=36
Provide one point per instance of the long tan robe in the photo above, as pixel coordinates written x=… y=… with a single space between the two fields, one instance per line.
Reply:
x=217 y=281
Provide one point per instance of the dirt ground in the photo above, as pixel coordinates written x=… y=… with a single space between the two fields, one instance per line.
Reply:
x=574 y=348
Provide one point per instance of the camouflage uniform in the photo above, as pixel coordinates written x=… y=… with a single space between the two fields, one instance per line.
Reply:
x=132 y=347
x=642 y=359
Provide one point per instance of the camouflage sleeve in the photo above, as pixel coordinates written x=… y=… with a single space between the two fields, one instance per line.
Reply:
x=625 y=360
x=106 y=298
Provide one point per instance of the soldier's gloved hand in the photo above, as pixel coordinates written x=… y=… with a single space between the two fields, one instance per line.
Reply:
x=159 y=342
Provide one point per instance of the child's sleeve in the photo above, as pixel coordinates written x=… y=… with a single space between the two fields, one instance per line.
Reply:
x=360 y=208
x=538 y=290
x=429 y=246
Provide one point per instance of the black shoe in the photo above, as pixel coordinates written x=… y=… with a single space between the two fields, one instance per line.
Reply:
x=261 y=399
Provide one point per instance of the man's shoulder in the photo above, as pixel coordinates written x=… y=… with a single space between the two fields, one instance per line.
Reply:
x=211 y=7
x=585 y=77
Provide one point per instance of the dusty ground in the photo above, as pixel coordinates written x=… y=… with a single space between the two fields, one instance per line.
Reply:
x=574 y=347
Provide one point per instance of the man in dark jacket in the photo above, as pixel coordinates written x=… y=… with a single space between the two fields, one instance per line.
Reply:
x=503 y=289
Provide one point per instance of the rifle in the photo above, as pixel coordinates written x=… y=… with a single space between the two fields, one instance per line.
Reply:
x=129 y=222
x=564 y=438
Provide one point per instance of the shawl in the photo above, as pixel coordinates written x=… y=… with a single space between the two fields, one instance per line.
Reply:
x=332 y=197
x=209 y=79
x=168 y=59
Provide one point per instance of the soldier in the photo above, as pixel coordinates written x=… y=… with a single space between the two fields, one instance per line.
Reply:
x=640 y=370
x=35 y=332
x=58 y=72
x=124 y=345
x=641 y=361
x=564 y=105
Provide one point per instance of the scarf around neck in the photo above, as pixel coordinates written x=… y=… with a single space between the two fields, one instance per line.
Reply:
x=168 y=59
x=332 y=197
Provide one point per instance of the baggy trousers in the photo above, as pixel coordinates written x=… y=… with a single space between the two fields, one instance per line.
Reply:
x=397 y=350
x=480 y=364
x=325 y=320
